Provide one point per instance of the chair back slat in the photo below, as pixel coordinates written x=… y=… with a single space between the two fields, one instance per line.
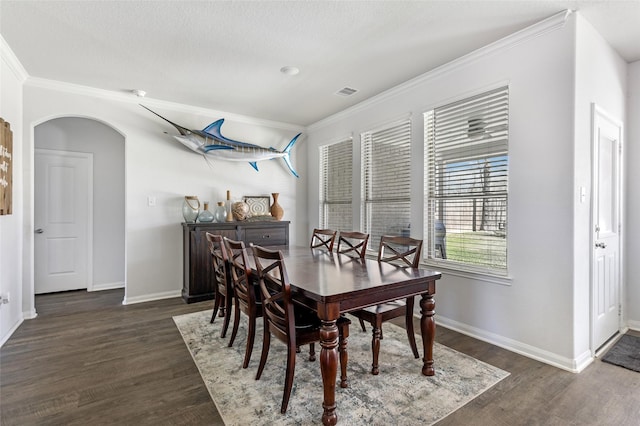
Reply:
x=240 y=274
x=323 y=238
x=275 y=290
x=400 y=250
x=353 y=243
x=220 y=259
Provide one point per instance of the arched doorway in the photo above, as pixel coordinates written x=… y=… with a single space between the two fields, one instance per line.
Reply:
x=106 y=147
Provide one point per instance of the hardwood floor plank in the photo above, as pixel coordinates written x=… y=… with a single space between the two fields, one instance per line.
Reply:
x=88 y=359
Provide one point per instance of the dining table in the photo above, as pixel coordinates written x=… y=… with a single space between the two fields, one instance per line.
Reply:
x=333 y=284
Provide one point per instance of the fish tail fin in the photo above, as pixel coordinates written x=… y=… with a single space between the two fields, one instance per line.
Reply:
x=287 y=151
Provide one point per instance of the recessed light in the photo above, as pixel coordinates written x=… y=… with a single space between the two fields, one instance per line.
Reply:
x=139 y=93
x=289 y=70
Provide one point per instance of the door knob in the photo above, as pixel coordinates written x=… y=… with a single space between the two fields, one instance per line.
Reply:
x=601 y=245
x=39 y=231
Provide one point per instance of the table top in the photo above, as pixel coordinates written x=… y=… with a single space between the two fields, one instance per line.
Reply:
x=332 y=278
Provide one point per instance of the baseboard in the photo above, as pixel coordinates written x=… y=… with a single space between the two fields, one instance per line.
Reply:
x=634 y=325
x=151 y=297
x=568 y=364
x=107 y=286
x=11 y=331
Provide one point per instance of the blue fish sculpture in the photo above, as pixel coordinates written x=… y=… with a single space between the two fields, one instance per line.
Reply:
x=210 y=142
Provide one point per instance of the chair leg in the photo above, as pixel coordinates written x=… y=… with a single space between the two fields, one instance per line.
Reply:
x=266 y=342
x=216 y=305
x=409 y=326
x=226 y=310
x=344 y=356
x=236 y=323
x=375 y=347
x=288 y=379
x=312 y=351
x=251 y=334
x=362 y=325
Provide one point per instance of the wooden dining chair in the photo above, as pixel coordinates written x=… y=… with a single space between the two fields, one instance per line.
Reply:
x=404 y=252
x=323 y=238
x=246 y=295
x=223 y=285
x=290 y=323
x=352 y=243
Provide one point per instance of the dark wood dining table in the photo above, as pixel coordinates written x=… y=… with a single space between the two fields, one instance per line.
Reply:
x=333 y=284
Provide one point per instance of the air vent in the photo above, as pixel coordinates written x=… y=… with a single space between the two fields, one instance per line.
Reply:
x=347 y=91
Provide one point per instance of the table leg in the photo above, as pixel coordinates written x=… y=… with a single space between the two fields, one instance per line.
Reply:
x=329 y=368
x=428 y=330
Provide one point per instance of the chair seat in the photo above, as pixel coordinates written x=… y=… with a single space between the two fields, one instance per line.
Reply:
x=390 y=309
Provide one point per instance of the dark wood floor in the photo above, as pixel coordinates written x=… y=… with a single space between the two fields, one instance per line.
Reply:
x=88 y=360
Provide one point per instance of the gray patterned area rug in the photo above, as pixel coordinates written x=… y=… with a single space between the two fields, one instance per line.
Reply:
x=399 y=395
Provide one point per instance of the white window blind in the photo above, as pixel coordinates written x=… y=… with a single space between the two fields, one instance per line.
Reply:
x=336 y=178
x=386 y=181
x=466 y=170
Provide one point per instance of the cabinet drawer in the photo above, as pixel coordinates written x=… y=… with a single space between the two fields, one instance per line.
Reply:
x=266 y=236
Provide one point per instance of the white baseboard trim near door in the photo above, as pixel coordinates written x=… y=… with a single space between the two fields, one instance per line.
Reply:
x=151 y=297
x=633 y=325
x=11 y=331
x=107 y=286
x=572 y=365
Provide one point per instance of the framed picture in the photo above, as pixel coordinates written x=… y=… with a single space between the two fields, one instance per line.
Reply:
x=258 y=205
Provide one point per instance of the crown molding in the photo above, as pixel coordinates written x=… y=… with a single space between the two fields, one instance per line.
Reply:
x=12 y=61
x=552 y=23
x=128 y=97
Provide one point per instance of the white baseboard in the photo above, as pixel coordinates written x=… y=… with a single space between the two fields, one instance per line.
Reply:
x=11 y=331
x=572 y=365
x=151 y=297
x=634 y=325
x=107 y=286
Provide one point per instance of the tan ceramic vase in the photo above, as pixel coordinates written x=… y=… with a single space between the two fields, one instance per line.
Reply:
x=276 y=209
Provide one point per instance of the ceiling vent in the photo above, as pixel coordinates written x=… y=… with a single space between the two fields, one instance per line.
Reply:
x=347 y=91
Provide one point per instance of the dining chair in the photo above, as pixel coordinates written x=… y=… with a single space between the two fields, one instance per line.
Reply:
x=293 y=324
x=404 y=252
x=323 y=238
x=223 y=285
x=246 y=295
x=352 y=243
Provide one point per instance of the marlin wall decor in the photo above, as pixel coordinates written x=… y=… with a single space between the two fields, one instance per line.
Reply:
x=209 y=142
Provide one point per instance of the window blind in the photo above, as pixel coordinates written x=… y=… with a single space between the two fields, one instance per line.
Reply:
x=466 y=171
x=336 y=179
x=386 y=181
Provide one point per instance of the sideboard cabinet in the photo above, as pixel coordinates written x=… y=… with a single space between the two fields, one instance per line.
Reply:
x=198 y=272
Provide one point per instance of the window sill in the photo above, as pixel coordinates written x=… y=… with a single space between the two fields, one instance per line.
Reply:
x=475 y=275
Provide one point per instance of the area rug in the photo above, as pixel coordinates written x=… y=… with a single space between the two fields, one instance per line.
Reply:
x=625 y=353
x=399 y=395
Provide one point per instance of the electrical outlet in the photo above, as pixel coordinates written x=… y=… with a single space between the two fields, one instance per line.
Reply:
x=6 y=298
x=151 y=201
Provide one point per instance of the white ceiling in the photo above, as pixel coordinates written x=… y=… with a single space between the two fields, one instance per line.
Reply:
x=226 y=55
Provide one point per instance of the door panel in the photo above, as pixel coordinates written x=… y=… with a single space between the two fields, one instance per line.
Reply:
x=605 y=286
x=62 y=217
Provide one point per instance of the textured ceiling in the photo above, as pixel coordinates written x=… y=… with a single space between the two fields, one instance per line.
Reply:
x=226 y=56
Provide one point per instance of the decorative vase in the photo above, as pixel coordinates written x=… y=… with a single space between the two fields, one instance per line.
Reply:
x=276 y=209
x=229 y=217
x=190 y=208
x=240 y=210
x=220 y=212
x=205 y=215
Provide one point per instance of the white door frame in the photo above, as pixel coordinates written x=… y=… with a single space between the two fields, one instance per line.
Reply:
x=89 y=248
x=598 y=115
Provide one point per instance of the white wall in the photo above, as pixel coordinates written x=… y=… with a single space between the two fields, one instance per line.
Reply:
x=159 y=166
x=632 y=246
x=532 y=312
x=601 y=78
x=107 y=146
x=11 y=226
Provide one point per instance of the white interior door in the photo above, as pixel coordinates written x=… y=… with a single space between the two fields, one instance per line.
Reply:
x=606 y=265
x=62 y=218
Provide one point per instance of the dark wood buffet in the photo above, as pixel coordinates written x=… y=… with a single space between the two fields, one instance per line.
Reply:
x=198 y=275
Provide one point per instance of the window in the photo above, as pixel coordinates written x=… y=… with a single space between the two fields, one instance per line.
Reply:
x=336 y=177
x=386 y=181
x=466 y=170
